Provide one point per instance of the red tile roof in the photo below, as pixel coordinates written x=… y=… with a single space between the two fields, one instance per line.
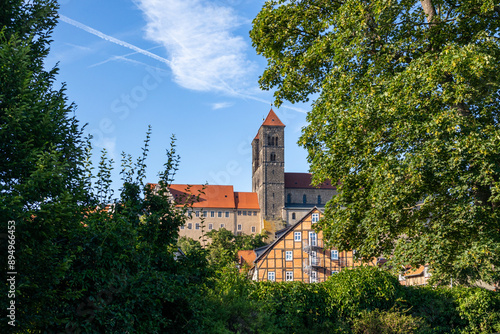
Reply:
x=211 y=196
x=246 y=257
x=246 y=200
x=414 y=272
x=272 y=120
x=303 y=180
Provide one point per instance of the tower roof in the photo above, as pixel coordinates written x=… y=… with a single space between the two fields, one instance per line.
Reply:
x=272 y=120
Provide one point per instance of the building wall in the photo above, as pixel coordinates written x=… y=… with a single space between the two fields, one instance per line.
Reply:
x=249 y=220
x=236 y=217
x=189 y=229
x=304 y=265
x=295 y=208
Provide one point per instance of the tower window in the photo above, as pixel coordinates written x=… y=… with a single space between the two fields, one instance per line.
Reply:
x=304 y=199
x=275 y=141
x=269 y=141
x=273 y=157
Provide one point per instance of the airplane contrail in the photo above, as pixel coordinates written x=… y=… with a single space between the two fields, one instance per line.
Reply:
x=112 y=39
x=161 y=59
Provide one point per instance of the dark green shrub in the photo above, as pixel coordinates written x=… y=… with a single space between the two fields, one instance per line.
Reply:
x=387 y=322
x=365 y=288
x=436 y=305
x=480 y=308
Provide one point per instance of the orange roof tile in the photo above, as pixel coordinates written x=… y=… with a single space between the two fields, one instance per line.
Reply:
x=272 y=120
x=211 y=196
x=246 y=256
x=303 y=180
x=246 y=200
x=415 y=272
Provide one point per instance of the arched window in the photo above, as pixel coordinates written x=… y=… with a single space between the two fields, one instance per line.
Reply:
x=319 y=199
x=293 y=215
x=304 y=199
x=276 y=141
x=269 y=140
x=273 y=157
x=289 y=198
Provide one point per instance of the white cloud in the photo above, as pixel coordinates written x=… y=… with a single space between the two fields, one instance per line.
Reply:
x=204 y=52
x=221 y=105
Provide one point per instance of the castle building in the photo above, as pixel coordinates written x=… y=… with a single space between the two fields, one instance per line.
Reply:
x=282 y=195
x=278 y=198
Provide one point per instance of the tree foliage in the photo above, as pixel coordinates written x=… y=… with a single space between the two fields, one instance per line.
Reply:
x=406 y=119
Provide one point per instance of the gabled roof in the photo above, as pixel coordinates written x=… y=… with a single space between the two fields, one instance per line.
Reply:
x=303 y=181
x=210 y=196
x=246 y=200
x=272 y=120
x=246 y=256
x=283 y=235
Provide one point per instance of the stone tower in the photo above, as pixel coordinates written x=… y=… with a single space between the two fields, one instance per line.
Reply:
x=268 y=167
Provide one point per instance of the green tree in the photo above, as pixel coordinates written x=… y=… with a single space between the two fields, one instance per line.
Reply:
x=42 y=186
x=224 y=245
x=405 y=119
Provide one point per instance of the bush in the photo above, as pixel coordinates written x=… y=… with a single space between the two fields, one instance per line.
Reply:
x=436 y=305
x=351 y=292
x=384 y=322
x=480 y=308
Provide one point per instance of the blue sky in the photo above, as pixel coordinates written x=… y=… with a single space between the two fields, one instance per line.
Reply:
x=185 y=67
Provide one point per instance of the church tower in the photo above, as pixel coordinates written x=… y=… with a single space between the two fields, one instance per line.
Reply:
x=268 y=167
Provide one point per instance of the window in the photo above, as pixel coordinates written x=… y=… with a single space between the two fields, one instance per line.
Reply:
x=269 y=140
x=335 y=254
x=289 y=276
x=210 y=226
x=244 y=213
x=273 y=157
x=314 y=258
x=197 y=213
x=315 y=217
x=313 y=239
x=289 y=198
x=271 y=276
x=221 y=225
x=239 y=213
x=197 y=226
x=314 y=277
x=297 y=236
x=212 y=214
x=219 y=214
x=239 y=227
x=293 y=215
x=319 y=199
x=190 y=226
x=227 y=214
x=253 y=229
x=205 y=213
x=182 y=227
x=255 y=213
x=288 y=256
x=335 y=272
x=276 y=141
x=304 y=199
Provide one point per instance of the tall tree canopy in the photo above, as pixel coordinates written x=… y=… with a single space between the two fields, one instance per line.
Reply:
x=406 y=118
